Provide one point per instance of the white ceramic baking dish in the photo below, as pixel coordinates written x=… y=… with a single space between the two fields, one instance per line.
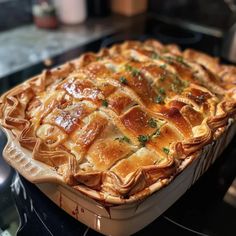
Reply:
x=112 y=220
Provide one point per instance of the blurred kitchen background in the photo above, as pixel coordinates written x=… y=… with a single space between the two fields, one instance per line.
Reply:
x=35 y=34
x=36 y=30
x=219 y=14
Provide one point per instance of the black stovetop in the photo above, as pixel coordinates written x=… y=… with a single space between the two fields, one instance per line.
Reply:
x=202 y=210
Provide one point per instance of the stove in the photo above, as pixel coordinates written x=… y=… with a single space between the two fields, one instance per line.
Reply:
x=208 y=208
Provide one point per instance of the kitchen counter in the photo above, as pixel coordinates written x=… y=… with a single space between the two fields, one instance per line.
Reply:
x=28 y=45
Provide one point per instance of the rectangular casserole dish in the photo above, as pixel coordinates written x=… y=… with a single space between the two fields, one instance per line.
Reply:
x=105 y=208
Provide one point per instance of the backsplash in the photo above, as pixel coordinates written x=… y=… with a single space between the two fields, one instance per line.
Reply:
x=219 y=14
x=14 y=13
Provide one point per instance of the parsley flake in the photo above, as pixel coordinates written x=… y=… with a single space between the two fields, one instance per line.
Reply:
x=163 y=66
x=152 y=123
x=159 y=99
x=134 y=71
x=123 y=139
x=175 y=88
x=185 y=83
x=165 y=50
x=181 y=60
x=105 y=103
x=177 y=80
x=128 y=67
x=169 y=59
x=162 y=77
x=155 y=55
x=123 y=80
x=178 y=85
x=166 y=150
x=143 y=139
x=162 y=91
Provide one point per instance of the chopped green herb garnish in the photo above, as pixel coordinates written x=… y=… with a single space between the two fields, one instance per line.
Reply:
x=134 y=71
x=126 y=139
x=105 y=103
x=99 y=58
x=163 y=66
x=162 y=91
x=177 y=80
x=123 y=80
x=143 y=139
x=123 y=139
x=160 y=160
x=169 y=59
x=178 y=85
x=128 y=67
x=165 y=50
x=152 y=123
x=159 y=99
x=155 y=55
x=181 y=60
x=175 y=88
x=166 y=150
x=162 y=77
x=185 y=83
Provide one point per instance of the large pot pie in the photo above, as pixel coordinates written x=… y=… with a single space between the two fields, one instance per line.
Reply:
x=122 y=123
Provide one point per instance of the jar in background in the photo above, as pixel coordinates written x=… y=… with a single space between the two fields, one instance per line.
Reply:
x=44 y=14
x=129 y=7
x=71 y=11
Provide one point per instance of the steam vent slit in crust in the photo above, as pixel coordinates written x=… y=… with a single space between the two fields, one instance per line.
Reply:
x=122 y=123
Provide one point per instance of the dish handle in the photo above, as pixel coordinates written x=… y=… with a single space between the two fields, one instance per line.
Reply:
x=32 y=170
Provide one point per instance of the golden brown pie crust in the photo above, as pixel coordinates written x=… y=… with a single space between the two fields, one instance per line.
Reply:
x=125 y=121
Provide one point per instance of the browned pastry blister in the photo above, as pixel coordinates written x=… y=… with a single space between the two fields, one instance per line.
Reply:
x=120 y=124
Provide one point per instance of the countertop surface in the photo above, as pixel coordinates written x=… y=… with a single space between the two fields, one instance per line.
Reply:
x=28 y=45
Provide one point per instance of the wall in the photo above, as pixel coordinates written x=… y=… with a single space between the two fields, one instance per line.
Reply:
x=213 y=13
x=14 y=13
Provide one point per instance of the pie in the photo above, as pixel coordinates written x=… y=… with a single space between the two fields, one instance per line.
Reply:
x=122 y=123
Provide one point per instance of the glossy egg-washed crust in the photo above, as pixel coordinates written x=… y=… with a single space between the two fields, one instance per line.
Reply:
x=120 y=124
